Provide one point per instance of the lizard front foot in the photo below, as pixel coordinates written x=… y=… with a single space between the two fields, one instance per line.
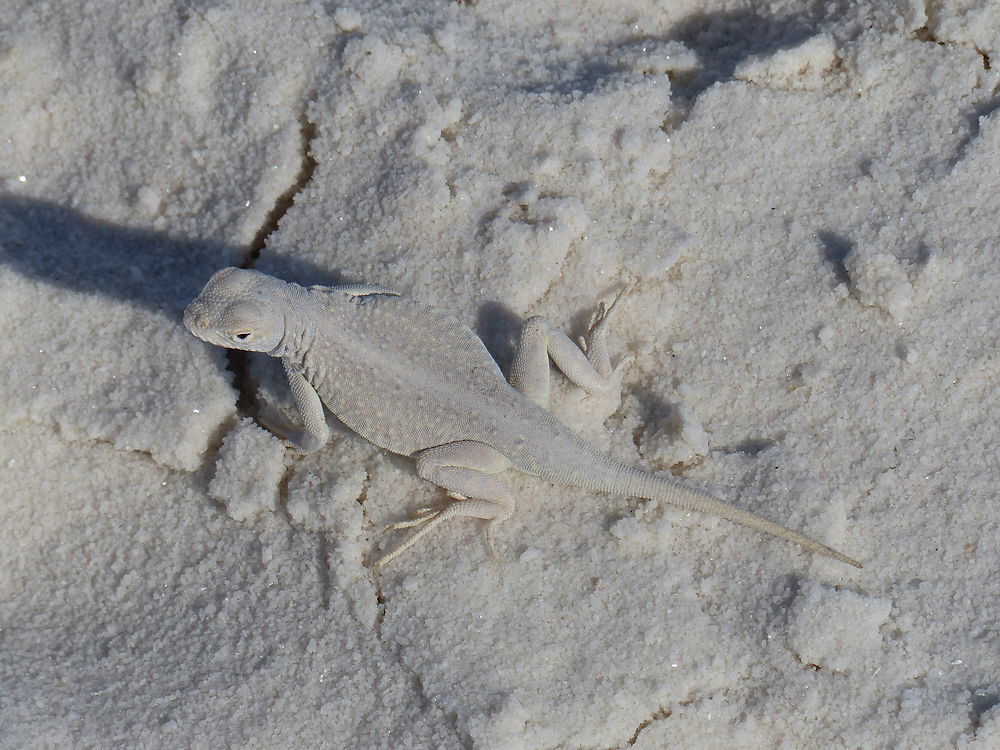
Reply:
x=277 y=424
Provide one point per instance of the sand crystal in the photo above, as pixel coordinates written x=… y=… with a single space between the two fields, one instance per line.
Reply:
x=805 y=193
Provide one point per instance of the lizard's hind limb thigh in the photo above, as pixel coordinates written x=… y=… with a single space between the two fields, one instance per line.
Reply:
x=588 y=364
x=465 y=469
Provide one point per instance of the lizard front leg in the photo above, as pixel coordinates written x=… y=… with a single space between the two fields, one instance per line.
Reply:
x=465 y=469
x=588 y=364
x=315 y=431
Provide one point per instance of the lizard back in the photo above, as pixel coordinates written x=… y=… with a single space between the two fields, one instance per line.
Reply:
x=404 y=375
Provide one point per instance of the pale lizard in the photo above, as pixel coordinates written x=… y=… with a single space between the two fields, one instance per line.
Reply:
x=416 y=381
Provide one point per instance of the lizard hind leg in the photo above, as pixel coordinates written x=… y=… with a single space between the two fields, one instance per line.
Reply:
x=587 y=364
x=465 y=469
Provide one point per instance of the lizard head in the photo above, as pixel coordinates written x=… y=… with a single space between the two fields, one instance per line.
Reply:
x=238 y=309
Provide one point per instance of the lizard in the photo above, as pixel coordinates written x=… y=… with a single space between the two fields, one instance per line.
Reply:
x=418 y=382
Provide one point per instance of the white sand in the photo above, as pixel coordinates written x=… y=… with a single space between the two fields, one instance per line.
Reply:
x=808 y=199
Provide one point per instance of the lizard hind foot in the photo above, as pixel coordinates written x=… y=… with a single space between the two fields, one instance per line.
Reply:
x=493 y=512
x=465 y=470
x=426 y=520
x=420 y=516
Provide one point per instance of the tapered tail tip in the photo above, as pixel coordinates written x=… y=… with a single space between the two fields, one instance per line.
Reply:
x=842 y=557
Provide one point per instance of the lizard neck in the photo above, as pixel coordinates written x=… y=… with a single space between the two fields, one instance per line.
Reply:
x=299 y=330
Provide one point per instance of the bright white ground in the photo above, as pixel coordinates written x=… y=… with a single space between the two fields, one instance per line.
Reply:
x=807 y=196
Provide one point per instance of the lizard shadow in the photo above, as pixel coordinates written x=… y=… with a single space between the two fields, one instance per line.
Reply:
x=835 y=248
x=61 y=246
x=499 y=327
x=723 y=40
x=720 y=40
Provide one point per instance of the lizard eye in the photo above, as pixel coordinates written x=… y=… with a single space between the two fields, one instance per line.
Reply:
x=241 y=336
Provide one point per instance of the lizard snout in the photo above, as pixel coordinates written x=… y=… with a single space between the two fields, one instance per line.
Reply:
x=195 y=320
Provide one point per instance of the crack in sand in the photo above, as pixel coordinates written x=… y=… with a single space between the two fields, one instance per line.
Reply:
x=284 y=202
x=238 y=362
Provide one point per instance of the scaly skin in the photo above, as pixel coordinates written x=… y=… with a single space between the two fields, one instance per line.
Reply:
x=417 y=382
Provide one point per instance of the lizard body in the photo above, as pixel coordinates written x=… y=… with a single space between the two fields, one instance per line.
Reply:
x=416 y=381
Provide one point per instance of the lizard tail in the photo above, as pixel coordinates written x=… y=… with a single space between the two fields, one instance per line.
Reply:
x=667 y=489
